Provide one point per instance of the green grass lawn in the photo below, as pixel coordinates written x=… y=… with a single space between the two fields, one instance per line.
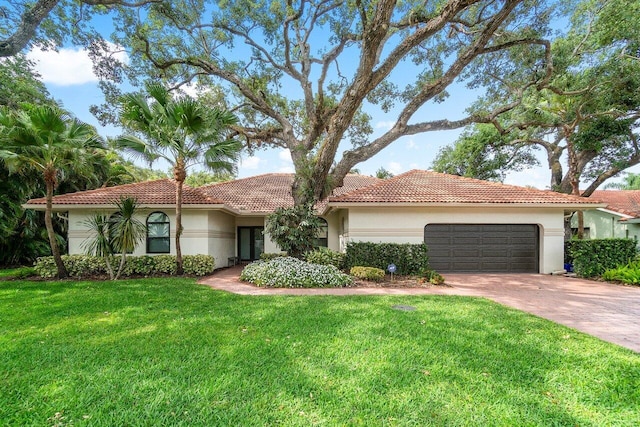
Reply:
x=170 y=352
x=16 y=273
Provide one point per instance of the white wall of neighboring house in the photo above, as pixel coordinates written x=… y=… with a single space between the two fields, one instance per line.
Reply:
x=406 y=225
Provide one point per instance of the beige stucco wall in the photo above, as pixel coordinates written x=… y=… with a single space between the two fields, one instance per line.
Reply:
x=205 y=232
x=221 y=237
x=78 y=232
x=406 y=225
x=605 y=225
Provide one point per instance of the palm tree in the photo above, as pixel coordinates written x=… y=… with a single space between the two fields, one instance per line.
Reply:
x=182 y=131
x=99 y=244
x=50 y=141
x=118 y=233
x=125 y=230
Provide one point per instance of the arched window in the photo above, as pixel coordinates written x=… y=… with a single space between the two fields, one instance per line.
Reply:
x=323 y=234
x=158 y=233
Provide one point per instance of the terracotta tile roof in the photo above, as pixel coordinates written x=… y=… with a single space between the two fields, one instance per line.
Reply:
x=626 y=202
x=265 y=193
x=159 y=192
x=419 y=186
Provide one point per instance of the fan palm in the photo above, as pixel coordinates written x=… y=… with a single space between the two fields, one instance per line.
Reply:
x=181 y=131
x=125 y=230
x=48 y=140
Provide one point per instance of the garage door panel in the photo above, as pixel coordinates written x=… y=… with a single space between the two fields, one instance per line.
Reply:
x=495 y=240
x=467 y=252
x=483 y=247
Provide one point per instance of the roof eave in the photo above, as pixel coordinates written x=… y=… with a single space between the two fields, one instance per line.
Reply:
x=576 y=206
x=616 y=213
x=110 y=206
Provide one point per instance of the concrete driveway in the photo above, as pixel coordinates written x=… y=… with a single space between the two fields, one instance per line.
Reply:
x=609 y=312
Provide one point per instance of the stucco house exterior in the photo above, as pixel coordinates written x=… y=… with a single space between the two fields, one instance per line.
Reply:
x=469 y=225
x=620 y=218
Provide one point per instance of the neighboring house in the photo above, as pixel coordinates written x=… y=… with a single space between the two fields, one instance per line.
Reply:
x=469 y=225
x=620 y=217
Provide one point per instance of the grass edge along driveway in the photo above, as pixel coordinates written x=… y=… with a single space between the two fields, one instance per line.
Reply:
x=171 y=352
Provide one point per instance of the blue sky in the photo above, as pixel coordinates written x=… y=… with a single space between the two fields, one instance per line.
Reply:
x=68 y=76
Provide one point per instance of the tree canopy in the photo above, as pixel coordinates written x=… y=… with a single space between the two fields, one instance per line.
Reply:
x=301 y=74
x=588 y=113
x=49 y=142
x=51 y=23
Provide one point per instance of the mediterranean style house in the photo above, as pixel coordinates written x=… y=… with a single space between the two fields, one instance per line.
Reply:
x=469 y=225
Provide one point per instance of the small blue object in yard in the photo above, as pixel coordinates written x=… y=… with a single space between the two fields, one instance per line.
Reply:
x=568 y=267
x=391 y=268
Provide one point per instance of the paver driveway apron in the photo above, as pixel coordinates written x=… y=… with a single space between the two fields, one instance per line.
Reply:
x=607 y=311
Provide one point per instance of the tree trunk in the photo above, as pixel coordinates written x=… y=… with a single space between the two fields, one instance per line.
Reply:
x=55 y=250
x=180 y=175
x=123 y=260
x=574 y=174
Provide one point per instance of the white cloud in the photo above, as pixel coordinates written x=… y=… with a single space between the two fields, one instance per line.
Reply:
x=395 y=168
x=411 y=145
x=252 y=162
x=286 y=163
x=528 y=178
x=385 y=125
x=67 y=66
x=285 y=156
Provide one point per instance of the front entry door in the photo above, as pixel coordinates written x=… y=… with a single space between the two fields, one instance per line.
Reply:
x=250 y=243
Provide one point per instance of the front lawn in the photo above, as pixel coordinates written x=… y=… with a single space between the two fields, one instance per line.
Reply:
x=171 y=352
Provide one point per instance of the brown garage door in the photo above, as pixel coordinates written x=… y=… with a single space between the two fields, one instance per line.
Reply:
x=489 y=248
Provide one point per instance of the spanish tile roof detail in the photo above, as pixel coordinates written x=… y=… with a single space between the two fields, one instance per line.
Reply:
x=626 y=202
x=158 y=192
x=420 y=186
x=265 y=193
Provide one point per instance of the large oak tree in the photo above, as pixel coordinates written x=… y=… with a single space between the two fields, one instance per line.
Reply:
x=300 y=74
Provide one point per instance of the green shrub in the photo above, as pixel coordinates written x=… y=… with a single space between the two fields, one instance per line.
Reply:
x=289 y=272
x=592 y=258
x=628 y=274
x=268 y=256
x=432 y=276
x=24 y=272
x=165 y=264
x=198 y=265
x=45 y=267
x=408 y=258
x=139 y=265
x=367 y=273
x=325 y=256
x=82 y=266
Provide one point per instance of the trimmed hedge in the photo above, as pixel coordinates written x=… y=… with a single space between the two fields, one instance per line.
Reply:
x=268 y=256
x=592 y=258
x=367 y=273
x=83 y=266
x=289 y=272
x=408 y=258
x=325 y=256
